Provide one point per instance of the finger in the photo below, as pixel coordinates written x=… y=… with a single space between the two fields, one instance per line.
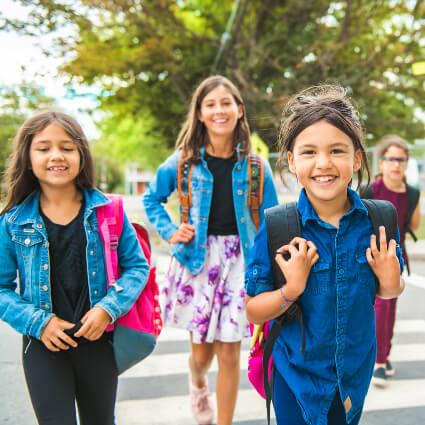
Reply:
x=68 y=340
x=279 y=257
x=59 y=343
x=311 y=245
x=297 y=240
x=84 y=330
x=369 y=257
x=302 y=246
x=311 y=249
x=392 y=247
x=50 y=346
x=373 y=246
x=382 y=239
x=315 y=259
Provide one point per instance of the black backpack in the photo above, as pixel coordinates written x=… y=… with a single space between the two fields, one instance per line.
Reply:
x=283 y=224
x=412 y=200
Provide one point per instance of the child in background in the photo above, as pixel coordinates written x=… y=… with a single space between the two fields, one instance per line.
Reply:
x=331 y=269
x=391 y=185
x=49 y=236
x=204 y=290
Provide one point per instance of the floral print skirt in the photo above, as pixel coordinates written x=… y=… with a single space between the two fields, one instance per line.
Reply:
x=210 y=304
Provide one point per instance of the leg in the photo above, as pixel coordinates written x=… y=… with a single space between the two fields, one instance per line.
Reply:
x=200 y=361
x=228 y=377
x=391 y=322
x=51 y=383
x=96 y=387
x=382 y=314
x=285 y=404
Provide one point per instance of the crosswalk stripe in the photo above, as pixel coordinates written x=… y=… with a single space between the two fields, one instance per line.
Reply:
x=416 y=280
x=409 y=326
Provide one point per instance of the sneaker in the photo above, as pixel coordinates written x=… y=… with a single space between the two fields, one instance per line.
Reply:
x=379 y=377
x=200 y=400
x=389 y=370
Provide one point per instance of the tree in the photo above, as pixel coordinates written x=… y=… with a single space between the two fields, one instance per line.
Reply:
x=16 y=104
x=147 y=57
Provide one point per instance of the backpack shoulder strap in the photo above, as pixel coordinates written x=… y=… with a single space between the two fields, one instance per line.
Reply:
x=382 y=213
x=110 y=218
x=282 y=224
x=184 y=177
x=412 y=201
x=256 y=182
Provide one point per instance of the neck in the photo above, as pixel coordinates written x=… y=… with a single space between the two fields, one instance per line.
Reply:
x=59 y=196
x=220 y=146
x=331 y=211
x=394 y=185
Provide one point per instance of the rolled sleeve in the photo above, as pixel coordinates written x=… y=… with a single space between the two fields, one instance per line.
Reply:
x=259 y=276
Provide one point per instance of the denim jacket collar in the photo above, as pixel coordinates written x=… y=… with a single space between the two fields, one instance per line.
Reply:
x=238 y=152
x=27 y=211
x=307 y=211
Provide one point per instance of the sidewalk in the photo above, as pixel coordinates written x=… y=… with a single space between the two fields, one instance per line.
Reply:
x=416 y=250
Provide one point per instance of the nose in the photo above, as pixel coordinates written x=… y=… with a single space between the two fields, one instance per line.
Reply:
x=323 y=160
x=57 y=154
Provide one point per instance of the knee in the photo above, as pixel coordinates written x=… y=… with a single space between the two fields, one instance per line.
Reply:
x=229 y=356
x=202 y=358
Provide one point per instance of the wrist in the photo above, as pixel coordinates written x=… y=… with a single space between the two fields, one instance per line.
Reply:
x=287 y=297
x=290 y=293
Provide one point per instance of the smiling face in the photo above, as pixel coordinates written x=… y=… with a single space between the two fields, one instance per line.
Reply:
x=393 y=165
x=220 y=113
x=54 y=157
x=324 y=160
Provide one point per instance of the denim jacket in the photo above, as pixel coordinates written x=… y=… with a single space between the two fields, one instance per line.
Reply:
x=25 y=249
x=192 y=254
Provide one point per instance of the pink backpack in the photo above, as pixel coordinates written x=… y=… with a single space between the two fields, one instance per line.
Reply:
x=135 y=333
x=259 y=335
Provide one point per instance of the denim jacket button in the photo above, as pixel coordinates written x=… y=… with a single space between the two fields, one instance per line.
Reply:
x=239 y=167
x=240 y=192
x=27 y=241
x=44 y=287
x=243 y=220
x=46 y=266
x=39 y=226
x=94 y=273
x=246 y=245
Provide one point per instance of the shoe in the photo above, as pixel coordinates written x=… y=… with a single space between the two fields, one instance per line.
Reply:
x=200 y=400
x=379 y=377
x=389 y=370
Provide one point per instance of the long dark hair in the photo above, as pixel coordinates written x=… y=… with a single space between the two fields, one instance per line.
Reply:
x=19 y=180
x=324 y=102
x=194 y=135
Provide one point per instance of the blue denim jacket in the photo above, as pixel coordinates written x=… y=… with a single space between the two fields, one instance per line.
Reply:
x=192 y=254
x=25 y=249
x=338 y=313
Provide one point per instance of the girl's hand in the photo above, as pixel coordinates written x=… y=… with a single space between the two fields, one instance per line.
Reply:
x=384 y=262
x=94 y=323
x=297 y=268
x=183 y=234
x=54 y=337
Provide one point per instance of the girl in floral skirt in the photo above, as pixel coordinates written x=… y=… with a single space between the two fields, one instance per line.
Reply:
x=204 y=290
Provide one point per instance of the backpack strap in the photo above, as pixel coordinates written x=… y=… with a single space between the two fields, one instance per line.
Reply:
x=184 y=178
x=412 y=202
x=256 y=182
x=382 y=213
x=282 y=224
x=110 y=218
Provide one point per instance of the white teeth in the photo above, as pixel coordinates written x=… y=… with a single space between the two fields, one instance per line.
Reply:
x=57 y=168
x=323 y=179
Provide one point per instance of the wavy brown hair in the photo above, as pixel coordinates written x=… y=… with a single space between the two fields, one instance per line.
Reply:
x=19 y=181
x=193 y=134
x=322 y=103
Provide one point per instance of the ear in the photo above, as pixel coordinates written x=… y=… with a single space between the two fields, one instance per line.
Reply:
x=240 y=111
x=291 y=163
x=357 y=160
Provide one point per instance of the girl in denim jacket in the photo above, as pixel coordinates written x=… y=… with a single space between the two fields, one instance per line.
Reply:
x=331 y=269
x=52 y=251
x=204 y=287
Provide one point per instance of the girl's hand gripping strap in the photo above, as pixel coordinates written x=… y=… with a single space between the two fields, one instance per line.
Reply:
x=184 y=176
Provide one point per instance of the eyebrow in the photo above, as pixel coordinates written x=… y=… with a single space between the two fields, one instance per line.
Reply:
x=332 y=145
x=49 y=141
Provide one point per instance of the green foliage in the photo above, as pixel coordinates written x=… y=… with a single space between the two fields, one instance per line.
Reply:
x=16 y=104
x=148 y=56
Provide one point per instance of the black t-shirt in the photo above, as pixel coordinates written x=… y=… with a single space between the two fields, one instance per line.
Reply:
x=222 y=218
x=68 y=267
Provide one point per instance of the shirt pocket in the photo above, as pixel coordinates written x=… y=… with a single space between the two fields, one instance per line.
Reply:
x=27 y=244
x=319 y=279
x=365 y=275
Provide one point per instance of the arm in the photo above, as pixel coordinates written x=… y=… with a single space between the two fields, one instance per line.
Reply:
x=157 y=194
x=385 y=263
x=262 y=301
x=22 y=315
x=416 y=217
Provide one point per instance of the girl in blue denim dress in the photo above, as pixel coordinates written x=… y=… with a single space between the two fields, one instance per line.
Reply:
x=331 y=268
x=52 y=251
x=204 y=291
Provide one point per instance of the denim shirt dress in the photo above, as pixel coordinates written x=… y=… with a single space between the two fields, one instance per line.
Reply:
x=192 y=254
x=338 y=313
x=27 y=307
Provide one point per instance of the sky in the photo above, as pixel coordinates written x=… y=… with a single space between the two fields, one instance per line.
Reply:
x=23 y=60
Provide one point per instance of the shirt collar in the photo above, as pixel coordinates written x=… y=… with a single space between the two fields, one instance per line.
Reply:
x=307 y=211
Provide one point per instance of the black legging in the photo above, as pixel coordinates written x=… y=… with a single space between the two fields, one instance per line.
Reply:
x=86 y=374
